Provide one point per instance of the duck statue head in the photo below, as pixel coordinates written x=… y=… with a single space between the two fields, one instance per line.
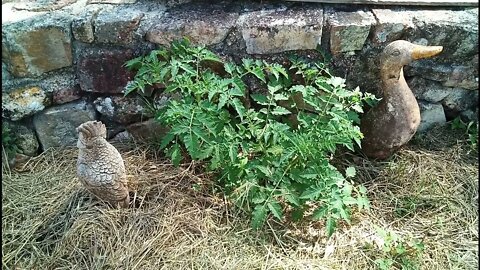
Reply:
x=395 y=119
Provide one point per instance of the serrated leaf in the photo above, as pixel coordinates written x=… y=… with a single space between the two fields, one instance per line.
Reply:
x=259 y=215
x=229 y=68
x=297 y=214
x=191 y=143
x=239 y=108
x=258 y=197
x=166 y=140
x=350 y=172
x=247 y=63
x=276 y=209
x=258 y=72
x=176 y=155
x=280 y=111
x=222 y=100
x=232 y=152
x=292 y=199
x=260 y=99
x=320 y=212
x=264 y=170
x=309 y=175
x=279 y=97
x=357 y=108
x=330 y=226
x=311 y=193
x=337 y=82
x=134 y=63
x=236 y=92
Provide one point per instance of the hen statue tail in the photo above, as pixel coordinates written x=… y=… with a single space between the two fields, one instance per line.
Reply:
x=93 y=129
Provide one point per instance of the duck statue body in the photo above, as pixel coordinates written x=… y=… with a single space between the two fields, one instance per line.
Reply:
x=395 y=119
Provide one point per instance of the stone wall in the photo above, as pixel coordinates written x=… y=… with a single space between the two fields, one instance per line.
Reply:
x=62 y=60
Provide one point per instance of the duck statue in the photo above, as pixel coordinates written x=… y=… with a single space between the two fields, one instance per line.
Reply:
x=395 y=119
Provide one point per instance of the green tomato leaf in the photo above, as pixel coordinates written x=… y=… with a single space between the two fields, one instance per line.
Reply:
x=276 y=209
x=259 y=216
x=330 y=226
x=280 y=111
x=176 y=155
x=350 y=172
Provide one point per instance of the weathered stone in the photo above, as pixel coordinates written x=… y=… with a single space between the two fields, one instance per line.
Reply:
x=23 y=101
x=112 y=1
x=460 y=99
x=201 y=24
x=36 y=46
x=82 y=27
x=428 y=90
x=123 y=136
x=449 y=75
x=25 y=138
x=430 y=114
x=5 y=74
x=349 y=30
x=56 y=126
x=102 y=70
x=470 y=115
x=456 y=31
x=62 y=87
x=124 y=110
x=391 y=24
x=463 y=77
x=42 y=5
x=147 y=130
x=117 y=26
x=283 y=30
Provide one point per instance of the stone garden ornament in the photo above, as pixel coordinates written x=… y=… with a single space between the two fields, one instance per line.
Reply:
x=100 y=166
x=395 y=119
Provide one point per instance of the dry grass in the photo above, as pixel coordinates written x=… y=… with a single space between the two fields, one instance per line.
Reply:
x=429 y=190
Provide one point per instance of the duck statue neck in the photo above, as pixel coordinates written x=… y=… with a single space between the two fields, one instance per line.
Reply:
x=395 y=119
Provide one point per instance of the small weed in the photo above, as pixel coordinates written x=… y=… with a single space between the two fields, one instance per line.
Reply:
x=470 y=129
x=396 y=252
x=9 y=145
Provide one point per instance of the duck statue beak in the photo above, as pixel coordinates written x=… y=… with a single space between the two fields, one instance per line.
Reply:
x=420 y=52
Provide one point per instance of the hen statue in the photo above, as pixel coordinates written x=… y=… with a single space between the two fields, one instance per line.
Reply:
x=100 y=166
x=395 y=119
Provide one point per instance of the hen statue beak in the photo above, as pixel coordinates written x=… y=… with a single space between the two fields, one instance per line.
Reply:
x=420 y=52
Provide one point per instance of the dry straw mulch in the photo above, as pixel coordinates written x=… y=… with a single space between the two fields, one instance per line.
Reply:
x=428 y=191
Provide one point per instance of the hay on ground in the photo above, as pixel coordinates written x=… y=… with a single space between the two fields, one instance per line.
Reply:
x=51 y=222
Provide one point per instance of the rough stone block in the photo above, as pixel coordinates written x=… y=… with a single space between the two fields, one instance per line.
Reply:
x=23 y=101
x=124 y=110
x=56 y=126
x=349 y=30
x=430 y=114
x=460 y=100
x=117 y=26
x=45 y=5
x=82 y=27
x=428 y=90
x=112 y=1
x=449 y=75
x=62 y=87
x=102 y=70
x=455 y=30
x=284 y=30
x=5 y=74
x=37 y=45
x=25 y=138
x=391 y=24
x=147 y=130
x=201 y=24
